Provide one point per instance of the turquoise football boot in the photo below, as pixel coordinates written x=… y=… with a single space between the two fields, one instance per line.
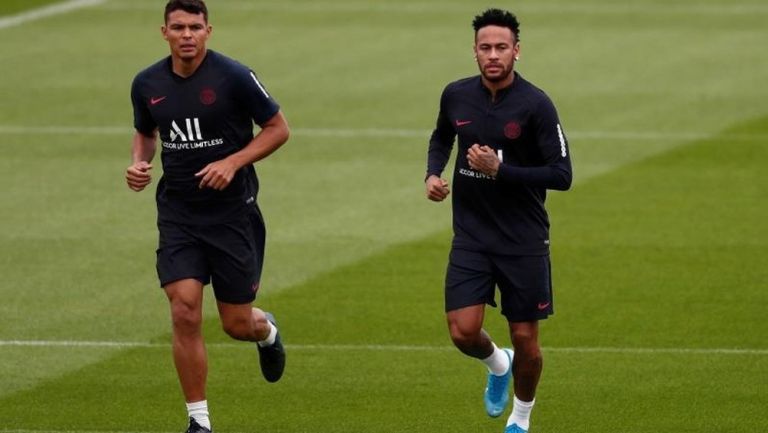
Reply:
x=514 y=428
x=497 y=390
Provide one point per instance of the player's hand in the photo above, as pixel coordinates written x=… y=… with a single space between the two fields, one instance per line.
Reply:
x=217 y=175
x=138 y=176
x=483 y=159
x=437 y=188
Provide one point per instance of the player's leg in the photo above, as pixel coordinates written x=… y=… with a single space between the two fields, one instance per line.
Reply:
x=186 y=298
x=526 y=297
x=466 y=329
x=236 y=254
x=186 y=302
x=468 y=287
x=527 y=367
x=465 y=325
x=182 y=270
x=528 y=361
x=244 y=322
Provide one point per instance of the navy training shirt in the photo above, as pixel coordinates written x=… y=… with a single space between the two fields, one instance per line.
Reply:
x=201 y=119
x=505 y=215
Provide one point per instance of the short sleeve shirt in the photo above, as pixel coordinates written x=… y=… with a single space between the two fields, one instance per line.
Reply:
x=201 y=119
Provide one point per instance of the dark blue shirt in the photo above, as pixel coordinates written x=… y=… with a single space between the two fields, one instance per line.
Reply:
x=506 y=214
x=201 y=119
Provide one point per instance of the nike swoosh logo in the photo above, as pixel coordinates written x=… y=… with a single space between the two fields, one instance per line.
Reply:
x=463 y=122
x=543 y=306
x=155 y=101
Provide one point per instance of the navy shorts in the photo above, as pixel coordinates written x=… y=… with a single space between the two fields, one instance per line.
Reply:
x=524 y=282
x=228 y=255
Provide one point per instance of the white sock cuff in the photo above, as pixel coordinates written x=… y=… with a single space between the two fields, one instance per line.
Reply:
x=198 y=405
x=497 y=362
x=496 y=350
x=198 y=410
x=270 y=340
x=521 y=413
x=526 y=404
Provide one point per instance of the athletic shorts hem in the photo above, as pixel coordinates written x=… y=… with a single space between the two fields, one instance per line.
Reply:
x=241 y=300
x=235 y=300
x=512 y=318
x=168 y=280
x=459 y=305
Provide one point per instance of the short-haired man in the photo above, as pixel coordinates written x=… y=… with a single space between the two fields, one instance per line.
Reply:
x=203 y=105
x=511 y=149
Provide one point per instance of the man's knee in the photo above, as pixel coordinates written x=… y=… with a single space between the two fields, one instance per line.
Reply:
x=524 y=336
x=185 y=298
x=237 y=327
x=186 y=317
x=464 y=334
x=526 y=344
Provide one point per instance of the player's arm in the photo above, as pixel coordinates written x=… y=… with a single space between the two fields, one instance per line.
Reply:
x=554 y=173
x=252 y=97
x=143 y=148
x=440 y=146
x=274 y=133
x=138 y=174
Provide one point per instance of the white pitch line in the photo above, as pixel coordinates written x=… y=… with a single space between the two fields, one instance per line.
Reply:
x=384 y=347
x=81 y=431
x=386 y=133
x=65 y=130
x=46 y=11
x=88 y=431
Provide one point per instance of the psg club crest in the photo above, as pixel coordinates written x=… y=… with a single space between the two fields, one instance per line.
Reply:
x=512 y=130
x=207 y=96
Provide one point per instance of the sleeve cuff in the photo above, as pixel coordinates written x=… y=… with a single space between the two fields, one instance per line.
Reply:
x=504 y=173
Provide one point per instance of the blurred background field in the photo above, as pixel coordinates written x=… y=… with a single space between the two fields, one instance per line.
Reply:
x=660 y=249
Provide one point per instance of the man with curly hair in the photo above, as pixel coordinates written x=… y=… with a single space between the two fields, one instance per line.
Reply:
x=511 y=149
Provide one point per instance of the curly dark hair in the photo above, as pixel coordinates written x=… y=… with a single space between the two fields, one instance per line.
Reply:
x=191 y=6
x=497 y=17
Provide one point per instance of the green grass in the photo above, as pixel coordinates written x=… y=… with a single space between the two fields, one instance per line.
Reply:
x=11 y=7
x=659 y=248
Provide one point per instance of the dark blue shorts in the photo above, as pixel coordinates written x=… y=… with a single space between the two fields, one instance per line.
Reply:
x=524 y=282
x=228 y=255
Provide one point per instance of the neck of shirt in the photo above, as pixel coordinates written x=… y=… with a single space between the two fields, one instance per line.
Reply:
x=186 y=69
x=495 y=88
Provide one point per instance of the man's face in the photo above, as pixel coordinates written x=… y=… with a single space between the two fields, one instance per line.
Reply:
x=186 y=34
x=495 y=50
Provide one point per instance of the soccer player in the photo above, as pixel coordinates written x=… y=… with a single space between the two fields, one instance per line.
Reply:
x=511 y=149
x=202 y=106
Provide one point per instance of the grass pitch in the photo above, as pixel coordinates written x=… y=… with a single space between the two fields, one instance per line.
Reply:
x=658 y=251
